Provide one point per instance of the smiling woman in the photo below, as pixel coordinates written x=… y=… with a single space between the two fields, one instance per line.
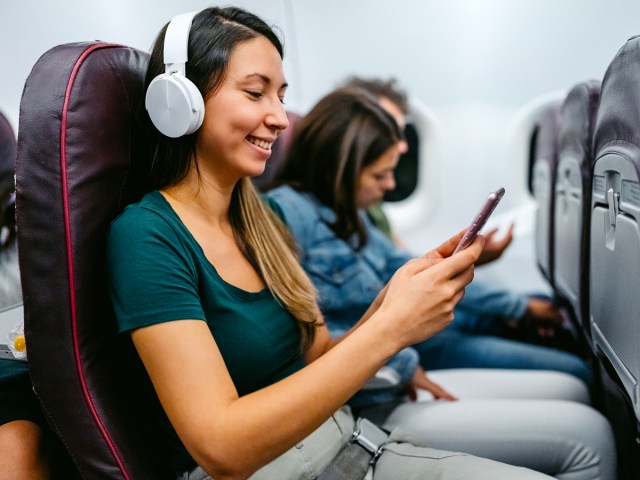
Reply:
x=473 y=72
x=201 y=268
x=255 y=123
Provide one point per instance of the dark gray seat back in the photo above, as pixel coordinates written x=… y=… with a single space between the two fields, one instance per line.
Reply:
x=615 y=221
x=543 y=180
x=573 y=199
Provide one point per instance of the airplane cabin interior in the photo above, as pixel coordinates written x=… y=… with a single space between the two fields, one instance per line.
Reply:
x=539 y=97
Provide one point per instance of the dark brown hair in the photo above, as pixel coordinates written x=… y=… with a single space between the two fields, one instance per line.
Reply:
x=382 y=89
x=345 y=131
x=214 y=34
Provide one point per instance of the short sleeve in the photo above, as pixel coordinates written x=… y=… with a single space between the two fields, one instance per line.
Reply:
x=152 y=275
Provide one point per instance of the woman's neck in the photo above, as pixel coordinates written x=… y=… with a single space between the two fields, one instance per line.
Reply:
x=200 y=197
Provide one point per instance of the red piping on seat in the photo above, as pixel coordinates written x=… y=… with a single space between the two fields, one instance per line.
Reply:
x=65 y=201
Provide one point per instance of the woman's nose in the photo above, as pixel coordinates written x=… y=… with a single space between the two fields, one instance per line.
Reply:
x=277 y=117
x=390 y=182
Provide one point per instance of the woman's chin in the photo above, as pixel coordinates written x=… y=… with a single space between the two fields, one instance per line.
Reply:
x=256 y=172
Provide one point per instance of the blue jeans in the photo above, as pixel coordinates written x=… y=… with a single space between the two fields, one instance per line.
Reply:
x=474 y=342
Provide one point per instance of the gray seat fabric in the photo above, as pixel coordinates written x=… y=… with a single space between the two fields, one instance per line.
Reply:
x=543 y=180
x=573 y=199
x=614 y=302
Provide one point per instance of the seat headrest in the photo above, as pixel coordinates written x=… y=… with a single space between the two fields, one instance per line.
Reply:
x=578 y=121
x=619 y=110
x=548 y=126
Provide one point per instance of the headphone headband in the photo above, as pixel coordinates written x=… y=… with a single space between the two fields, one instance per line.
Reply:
x=176 y=42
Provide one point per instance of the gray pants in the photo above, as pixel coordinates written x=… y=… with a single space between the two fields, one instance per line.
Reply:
x=399 y=460
x=534 y=419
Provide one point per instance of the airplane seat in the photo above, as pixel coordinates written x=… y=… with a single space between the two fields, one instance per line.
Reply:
x=614 y=303
x=573 y=200
x=11 y=307
x=7 y=147
x=542 y=181
x=78 y=140
x=10 y=304
x=278 y=154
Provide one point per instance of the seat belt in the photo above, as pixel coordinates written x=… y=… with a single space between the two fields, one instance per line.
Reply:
x=353 y=461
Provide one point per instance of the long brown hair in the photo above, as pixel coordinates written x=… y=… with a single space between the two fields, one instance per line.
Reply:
x=262 y=237
x=270 y=248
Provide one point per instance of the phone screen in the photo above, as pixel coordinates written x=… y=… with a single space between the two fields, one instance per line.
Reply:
x=480 y=219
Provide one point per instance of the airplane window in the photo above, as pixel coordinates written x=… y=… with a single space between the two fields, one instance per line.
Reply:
x=406 y=172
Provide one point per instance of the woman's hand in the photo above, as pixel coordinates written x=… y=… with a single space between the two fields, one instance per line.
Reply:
x=421 y=295
x=495 y=247
x=421 y=381
x=543 y=317
x=446 y=249
x=443 y=251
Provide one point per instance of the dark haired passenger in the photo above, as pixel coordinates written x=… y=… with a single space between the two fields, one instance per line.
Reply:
x=341 y=157
x=205 y=280
x=478 y=337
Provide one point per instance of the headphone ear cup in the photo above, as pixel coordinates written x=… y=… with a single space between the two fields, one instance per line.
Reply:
x=175 y=105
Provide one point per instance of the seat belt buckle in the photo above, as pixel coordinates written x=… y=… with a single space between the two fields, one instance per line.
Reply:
x=370 y=437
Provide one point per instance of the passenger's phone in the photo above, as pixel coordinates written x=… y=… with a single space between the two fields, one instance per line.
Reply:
x=480 y=219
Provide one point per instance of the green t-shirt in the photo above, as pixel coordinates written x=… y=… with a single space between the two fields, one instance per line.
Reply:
x=379 y=219
x=159 y=273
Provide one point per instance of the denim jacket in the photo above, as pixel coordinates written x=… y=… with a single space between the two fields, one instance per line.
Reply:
x=348 y=280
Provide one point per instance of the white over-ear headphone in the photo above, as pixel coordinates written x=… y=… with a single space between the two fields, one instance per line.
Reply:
x=174 y=103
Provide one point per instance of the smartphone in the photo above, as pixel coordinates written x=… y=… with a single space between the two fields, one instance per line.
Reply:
x=480 y=219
